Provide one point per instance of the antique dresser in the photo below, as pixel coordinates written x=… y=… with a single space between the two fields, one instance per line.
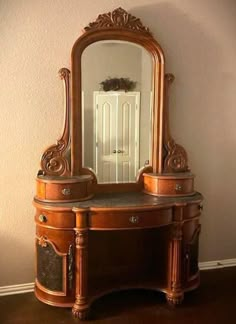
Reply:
x=115 y=204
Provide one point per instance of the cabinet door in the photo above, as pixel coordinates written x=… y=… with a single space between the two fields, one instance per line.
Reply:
x=55 y=261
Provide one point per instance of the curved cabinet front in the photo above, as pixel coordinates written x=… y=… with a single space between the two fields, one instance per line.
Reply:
x=55 y=282
x=85 y=250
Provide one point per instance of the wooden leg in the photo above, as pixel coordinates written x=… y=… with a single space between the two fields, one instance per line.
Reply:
x=79 y=313
x=175 y=295
x=175 y=299
x=81 y=305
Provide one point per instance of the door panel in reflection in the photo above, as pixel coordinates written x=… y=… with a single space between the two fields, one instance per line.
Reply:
x=116 y=136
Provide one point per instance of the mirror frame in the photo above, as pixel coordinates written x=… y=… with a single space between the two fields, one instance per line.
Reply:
x=118 y=25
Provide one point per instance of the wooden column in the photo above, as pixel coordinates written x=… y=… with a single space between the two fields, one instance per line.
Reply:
x=81 y=305
x=175 y=294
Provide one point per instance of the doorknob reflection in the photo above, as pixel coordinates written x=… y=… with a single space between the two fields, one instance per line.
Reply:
x=117 y=151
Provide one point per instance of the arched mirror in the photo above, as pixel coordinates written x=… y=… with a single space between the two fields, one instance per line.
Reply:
x=116 y=110
x=116 y=128
x=117 y=100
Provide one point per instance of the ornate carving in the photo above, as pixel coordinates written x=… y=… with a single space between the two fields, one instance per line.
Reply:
x=54 y=161
x=42 y=241
x=176 y=159
x=175 y=299
x=64 y=73
x=81 y=314
x=119 y=18
x=177 y=232
x=81 y=239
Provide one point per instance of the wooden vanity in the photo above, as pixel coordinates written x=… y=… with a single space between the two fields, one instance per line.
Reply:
x=115 y=203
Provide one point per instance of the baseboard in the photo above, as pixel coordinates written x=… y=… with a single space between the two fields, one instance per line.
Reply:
x=17 y=289
x=29 y=287
x=217 y=264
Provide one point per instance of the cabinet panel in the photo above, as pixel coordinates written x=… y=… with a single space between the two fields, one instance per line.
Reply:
x=51 y=267
x=55 y=282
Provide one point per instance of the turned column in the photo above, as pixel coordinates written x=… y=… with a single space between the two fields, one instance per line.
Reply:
x=81 y=306
x=175 y=294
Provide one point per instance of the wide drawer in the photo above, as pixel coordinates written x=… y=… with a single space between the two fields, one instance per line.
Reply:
x=55 y=219
x=129 y=219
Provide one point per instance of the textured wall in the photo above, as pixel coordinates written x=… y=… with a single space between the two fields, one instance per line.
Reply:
x=36 y=38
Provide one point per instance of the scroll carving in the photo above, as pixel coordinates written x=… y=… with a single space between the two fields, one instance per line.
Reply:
x=119 y=18
x=54 y=160
x=176 y=159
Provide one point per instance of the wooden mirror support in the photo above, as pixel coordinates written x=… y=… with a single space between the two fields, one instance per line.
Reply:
x=94 y=238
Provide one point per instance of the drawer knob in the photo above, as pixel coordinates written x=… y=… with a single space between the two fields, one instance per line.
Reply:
x=178 y=187
x=66 y=191
x=200 y=207
x=134 y=219
x=42 y=218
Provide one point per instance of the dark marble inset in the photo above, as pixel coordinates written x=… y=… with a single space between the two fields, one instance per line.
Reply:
x=49 y=268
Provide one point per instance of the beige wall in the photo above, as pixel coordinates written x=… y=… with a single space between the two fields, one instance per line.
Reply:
x=36 y=39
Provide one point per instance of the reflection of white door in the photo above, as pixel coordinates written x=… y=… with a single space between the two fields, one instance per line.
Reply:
x=116 y=136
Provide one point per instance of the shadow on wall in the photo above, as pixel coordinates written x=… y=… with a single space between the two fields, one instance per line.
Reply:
x=13 y=254
x=199 y=106
x=193 y=57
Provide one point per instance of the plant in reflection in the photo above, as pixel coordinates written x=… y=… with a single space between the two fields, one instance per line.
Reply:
x=115 y=84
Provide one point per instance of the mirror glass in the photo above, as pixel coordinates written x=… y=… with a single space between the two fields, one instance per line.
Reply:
x=116 y=110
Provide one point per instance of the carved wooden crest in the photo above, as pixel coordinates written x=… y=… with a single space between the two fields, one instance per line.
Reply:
x=119 y=18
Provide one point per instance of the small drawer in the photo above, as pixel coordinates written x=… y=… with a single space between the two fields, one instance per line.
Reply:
x=56 y=189
x=130 y=219
x=169 y=185
x=55 y=219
